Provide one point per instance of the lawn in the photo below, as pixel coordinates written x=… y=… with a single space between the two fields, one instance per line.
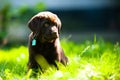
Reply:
x=89 y=60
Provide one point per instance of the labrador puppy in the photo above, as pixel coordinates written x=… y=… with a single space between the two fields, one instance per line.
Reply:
x=44 y=44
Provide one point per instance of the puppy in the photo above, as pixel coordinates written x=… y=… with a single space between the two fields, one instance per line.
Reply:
x=44 y=41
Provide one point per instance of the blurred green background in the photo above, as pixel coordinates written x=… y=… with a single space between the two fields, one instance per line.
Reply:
x=81 y=19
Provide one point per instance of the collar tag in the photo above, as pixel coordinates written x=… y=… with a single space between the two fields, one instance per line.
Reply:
x=33 y=42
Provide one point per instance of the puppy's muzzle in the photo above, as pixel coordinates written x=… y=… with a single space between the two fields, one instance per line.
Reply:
x=51 y=36
x=54 y=34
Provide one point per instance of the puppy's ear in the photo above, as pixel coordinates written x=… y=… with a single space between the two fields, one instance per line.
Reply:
x=59 y=24
x=33 y=23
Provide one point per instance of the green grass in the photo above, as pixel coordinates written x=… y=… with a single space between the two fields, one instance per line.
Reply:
x=90 y=60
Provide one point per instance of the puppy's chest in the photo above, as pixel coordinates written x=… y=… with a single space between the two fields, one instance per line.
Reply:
x=45 y=49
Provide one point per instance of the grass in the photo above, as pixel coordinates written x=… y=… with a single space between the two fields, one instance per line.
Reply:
x=90 y=60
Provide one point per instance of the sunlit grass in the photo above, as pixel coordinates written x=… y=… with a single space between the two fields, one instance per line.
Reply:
x=97 y=60
x=13 y=62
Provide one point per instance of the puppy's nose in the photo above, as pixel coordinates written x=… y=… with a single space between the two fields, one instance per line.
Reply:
x=54 y=33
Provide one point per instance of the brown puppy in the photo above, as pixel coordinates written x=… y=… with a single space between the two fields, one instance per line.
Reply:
x=44 y=40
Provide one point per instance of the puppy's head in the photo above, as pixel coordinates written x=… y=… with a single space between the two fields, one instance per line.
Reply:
x=45 y=26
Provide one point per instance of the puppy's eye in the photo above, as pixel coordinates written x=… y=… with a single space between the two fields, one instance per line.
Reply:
x=46 y=24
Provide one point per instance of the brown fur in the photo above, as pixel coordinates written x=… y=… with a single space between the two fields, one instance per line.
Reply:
x=45 y=27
